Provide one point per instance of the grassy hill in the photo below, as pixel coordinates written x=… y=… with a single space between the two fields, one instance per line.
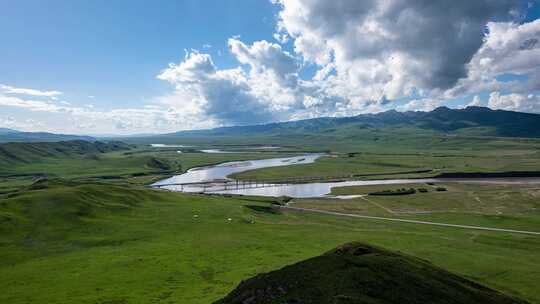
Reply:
x=46 y=216
x=13 y=153
x=359 y=273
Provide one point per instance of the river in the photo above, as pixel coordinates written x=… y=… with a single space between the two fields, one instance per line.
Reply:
x=219 y=173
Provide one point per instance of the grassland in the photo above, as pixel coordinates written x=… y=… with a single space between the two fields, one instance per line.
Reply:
x=99 y=236
x=492 y=157
x=134 y=166
x=501 y=206
x=99 y=243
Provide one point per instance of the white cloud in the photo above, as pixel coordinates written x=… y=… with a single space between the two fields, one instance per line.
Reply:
x=366 y=53
x=475 y=102
x=508 y=48
x=64 y=117
x=263 y=57
x=32 y=105
x=281 y=38
x=24 y=91
x=388 y=48
x=27 y=124
x=265 y=88
x=205 y=90
x=425 y=105
x=515 y=102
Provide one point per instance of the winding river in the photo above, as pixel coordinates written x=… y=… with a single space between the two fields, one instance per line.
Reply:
x=219 y=173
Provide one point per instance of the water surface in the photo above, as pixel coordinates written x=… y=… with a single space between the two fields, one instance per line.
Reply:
x=221 y=171
x=213 y=177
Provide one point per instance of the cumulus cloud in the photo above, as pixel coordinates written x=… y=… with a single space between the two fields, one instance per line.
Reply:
x=514 y=102
x=266 y=87
x=223 y=95
x=389 y=48
x=366 y=54
x=425 y=105
x=508 y=48
x=25 y=91
x=475 y=102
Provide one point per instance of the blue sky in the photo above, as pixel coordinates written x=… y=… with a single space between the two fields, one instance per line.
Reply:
x=114 y=49
x=103 y=66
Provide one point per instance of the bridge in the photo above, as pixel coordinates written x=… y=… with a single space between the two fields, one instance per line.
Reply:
x=224 y=185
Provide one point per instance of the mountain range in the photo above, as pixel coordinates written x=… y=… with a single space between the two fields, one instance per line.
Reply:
x=10 y=135
x=471 y=120
x=477 y=121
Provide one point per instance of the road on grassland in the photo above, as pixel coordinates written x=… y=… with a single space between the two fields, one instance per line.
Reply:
x=407 y=221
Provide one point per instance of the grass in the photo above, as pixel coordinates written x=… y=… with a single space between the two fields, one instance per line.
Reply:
x=372 y=163
x=140 y=165
x=500 y=206
x=100 y=243
x=99 y=237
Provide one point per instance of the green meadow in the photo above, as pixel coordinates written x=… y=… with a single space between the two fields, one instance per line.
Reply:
x=66 y=242
x=82 y=227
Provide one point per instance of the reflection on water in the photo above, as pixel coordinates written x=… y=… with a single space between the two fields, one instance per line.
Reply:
x=314 y=189
x=220 y=172
x=168 y=146
x=217 y=151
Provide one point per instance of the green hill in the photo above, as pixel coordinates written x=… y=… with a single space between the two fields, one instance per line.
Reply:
x=359 y=273
x=53 y=212
x=14 y=153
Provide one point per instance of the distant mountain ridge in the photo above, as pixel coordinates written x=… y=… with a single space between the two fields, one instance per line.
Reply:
x=8 y=131
x=10 y=135
x=476 y=120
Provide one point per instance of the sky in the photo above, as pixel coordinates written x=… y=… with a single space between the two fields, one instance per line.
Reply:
x=131 y=67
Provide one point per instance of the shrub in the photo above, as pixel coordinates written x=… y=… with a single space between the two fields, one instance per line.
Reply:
x=402 y=191
x=158 y=164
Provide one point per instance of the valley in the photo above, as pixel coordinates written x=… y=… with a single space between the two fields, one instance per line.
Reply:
x=90 y=215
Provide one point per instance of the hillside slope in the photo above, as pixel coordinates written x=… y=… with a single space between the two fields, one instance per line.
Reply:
x=51 y=213
x=11 y=153
x=358 y=273
x=473 y=120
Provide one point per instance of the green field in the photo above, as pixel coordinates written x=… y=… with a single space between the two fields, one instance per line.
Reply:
x=99 y=243
x=97 y=235
x=515 y=158
x=501 y=206
x=133 y=166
